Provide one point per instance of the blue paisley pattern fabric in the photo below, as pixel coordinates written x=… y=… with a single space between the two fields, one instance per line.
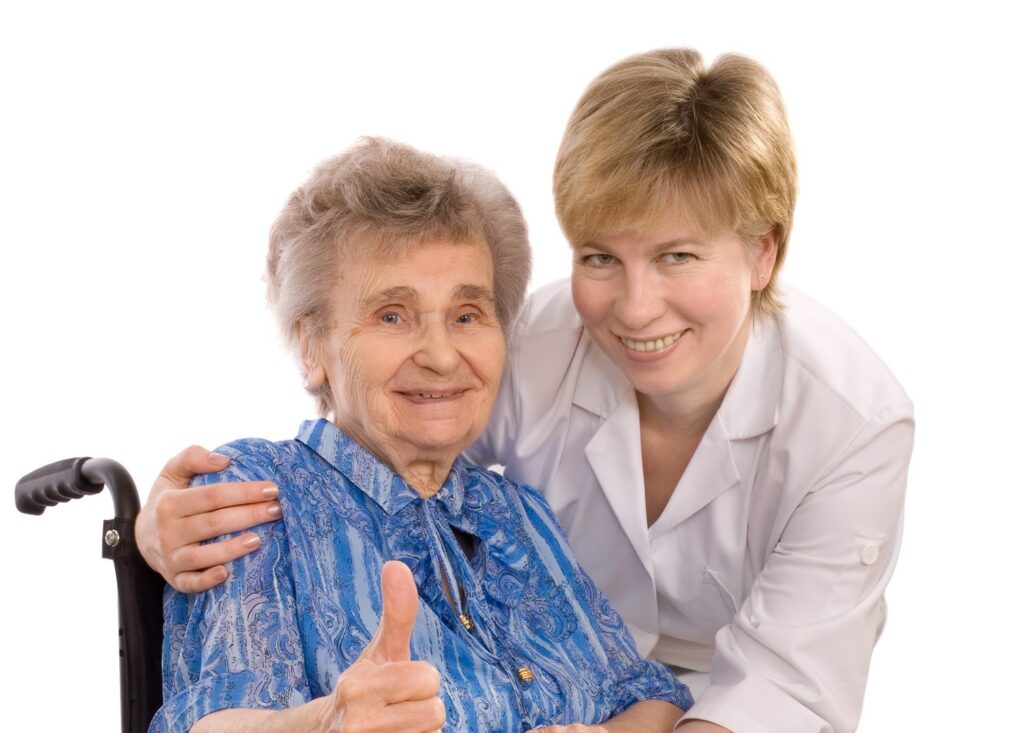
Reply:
x=295 y=614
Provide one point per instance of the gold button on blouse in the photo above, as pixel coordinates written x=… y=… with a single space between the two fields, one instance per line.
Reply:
x=525 y=675
x=467 y=622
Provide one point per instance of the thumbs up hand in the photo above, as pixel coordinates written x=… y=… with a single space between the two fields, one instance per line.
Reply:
x=383 y=690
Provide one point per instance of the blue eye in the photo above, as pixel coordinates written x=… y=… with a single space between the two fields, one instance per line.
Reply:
x=391 y=318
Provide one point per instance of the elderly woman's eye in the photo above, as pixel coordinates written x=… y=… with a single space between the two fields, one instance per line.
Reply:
x=465 y=318
x=391 y=318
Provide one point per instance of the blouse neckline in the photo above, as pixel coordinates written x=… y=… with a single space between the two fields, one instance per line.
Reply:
x=374 y=477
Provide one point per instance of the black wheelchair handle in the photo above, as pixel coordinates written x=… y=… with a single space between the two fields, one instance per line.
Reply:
x=52 y=484
x=74 y=478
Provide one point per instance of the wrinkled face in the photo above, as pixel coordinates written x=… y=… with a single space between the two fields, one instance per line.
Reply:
x=670 y=307
x=415 y=352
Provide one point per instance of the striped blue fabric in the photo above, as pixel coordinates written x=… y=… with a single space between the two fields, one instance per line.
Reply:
x=298 y=612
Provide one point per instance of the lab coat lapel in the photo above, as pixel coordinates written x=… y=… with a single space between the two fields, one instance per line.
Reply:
x=712 y=471
x=614 y=450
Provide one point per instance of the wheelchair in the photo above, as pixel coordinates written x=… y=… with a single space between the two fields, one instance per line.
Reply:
x=139 y=589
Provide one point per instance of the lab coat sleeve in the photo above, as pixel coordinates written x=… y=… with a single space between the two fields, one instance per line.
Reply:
x=795 y=657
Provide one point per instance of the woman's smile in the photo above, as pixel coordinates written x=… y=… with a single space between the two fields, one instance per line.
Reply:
x=651 y=345
x=433 y=396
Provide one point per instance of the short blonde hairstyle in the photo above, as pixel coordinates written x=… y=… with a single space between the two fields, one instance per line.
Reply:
x=658 y=133
x=383 y=197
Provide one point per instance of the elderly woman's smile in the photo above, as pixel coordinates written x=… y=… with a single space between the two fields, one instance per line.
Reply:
x=413 y=354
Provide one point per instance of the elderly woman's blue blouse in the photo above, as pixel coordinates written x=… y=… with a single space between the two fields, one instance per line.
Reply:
x=294 y=615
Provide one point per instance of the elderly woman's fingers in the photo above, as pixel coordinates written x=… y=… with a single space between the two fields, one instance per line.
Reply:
x=418 y=716
x=398 y=615
x=410 y=681
x=393 y=696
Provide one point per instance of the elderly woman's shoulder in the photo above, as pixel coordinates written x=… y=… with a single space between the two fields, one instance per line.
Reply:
x=258 y=459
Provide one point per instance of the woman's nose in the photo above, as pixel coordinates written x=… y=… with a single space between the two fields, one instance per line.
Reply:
x=638 y=302
x=436 y=351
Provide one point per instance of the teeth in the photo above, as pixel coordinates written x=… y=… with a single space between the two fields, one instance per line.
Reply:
x=652 y=345
x=427 y=396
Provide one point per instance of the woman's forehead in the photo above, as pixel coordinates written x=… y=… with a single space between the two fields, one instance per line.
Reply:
x=428 y=272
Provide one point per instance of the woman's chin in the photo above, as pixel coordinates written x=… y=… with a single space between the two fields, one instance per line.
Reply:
x=442 y=437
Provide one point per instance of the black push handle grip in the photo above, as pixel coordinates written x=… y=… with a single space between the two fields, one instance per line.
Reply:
x=52 y=484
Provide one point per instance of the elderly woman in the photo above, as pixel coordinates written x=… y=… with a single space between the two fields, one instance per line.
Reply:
x=728 y=458
x=394 y=276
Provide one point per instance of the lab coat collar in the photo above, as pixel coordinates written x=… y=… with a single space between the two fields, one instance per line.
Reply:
x=751 y=404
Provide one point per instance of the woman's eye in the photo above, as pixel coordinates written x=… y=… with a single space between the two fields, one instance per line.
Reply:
x=598 y=260
x=467 y=318
x=675 y=258
x=391 y=318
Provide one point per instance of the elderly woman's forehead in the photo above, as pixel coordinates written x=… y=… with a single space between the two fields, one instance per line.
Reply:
x=426 y=271
x=384 y=247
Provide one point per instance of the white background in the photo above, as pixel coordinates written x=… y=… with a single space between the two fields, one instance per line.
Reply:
x=146 y=151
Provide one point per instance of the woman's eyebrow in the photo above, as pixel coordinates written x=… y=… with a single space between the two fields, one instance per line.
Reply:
x=473 y=292
x=399 y=293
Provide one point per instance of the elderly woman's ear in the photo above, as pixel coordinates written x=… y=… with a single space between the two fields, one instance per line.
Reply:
x=309 y=353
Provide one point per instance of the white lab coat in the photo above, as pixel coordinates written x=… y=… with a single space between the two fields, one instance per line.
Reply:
x=768 y=565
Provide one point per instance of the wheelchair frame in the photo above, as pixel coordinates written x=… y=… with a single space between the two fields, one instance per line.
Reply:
x=139 y=589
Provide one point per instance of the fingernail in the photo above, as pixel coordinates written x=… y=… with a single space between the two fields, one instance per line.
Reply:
x=251 y=542
x=220 y=575
x=217 y=459
x=274 y=510
x=270 y=492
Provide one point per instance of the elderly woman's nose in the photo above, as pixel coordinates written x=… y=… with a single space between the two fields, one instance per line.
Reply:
x=436 y=350
x=638 y=301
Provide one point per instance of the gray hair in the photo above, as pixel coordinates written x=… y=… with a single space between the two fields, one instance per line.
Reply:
x=385 y=195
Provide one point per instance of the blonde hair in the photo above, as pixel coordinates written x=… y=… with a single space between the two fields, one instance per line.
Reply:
x=659 y=134
x=386 y=196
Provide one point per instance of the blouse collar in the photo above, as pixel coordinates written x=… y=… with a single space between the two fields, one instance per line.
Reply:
x=374 y=477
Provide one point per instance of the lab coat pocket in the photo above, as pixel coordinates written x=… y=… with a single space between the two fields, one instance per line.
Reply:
x=718 y=604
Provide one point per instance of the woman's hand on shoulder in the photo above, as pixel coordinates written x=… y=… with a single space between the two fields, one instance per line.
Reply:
x=174 y=522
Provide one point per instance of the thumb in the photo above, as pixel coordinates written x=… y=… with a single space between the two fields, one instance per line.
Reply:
x=401 y=602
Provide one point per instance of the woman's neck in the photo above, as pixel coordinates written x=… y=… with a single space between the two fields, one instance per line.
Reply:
x=425 y=471
x=424 y=477
x=692 y=410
